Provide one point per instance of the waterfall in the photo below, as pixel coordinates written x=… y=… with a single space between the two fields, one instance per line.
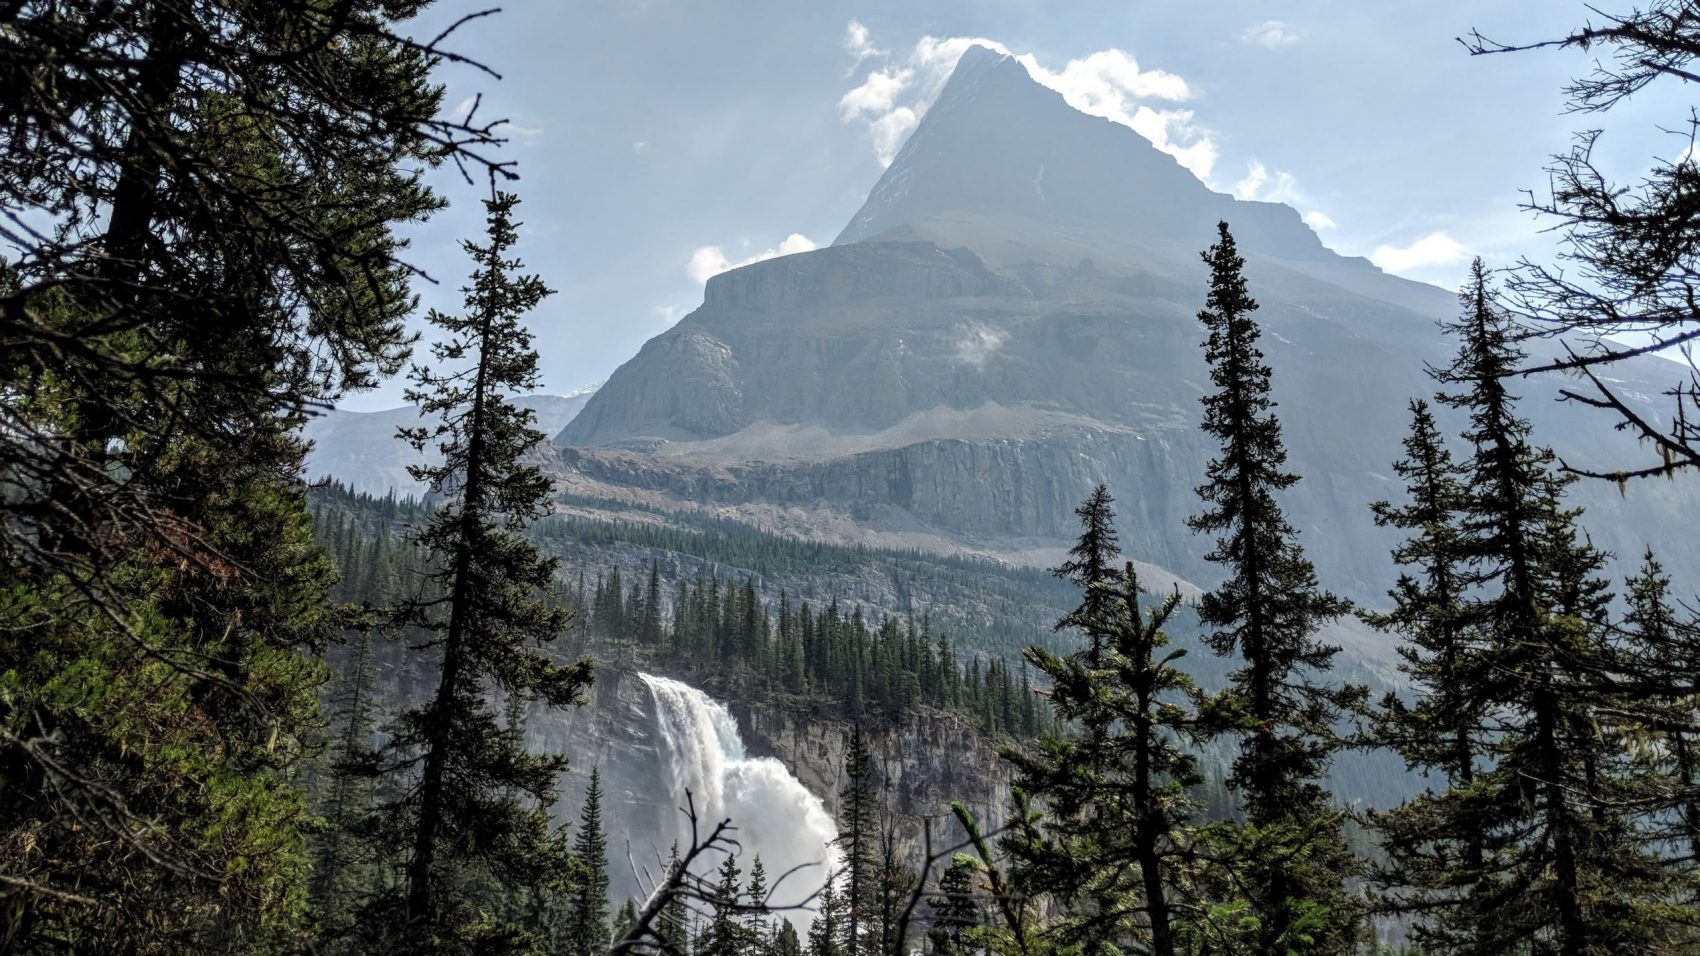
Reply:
x=776 y=816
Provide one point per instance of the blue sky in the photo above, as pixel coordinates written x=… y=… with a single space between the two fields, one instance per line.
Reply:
x=661 y=140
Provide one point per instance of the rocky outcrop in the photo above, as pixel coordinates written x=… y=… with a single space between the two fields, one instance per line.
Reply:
x=921 y=765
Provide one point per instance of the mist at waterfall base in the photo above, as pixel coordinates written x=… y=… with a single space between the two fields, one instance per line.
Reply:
x=777 y=818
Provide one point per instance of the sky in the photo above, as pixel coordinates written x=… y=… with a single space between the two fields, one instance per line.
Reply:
x=661 y=141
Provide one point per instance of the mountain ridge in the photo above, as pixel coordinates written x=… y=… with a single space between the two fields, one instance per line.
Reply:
x=974 y=354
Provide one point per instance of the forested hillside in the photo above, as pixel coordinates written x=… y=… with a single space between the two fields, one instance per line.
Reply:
x=1039 y=570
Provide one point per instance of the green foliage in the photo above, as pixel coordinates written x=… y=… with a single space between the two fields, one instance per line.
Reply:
x=471 y=820
x=214 y=188
x=726 y=934
x=587 y=927
x=858 y=843
x=872 y=672
x=1268 y=610
x=1112 y=843
x=1540 y=838
x=957 y=911
x=150 y=748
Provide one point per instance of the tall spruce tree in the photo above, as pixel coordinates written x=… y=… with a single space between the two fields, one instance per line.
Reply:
x=957 y=912
x=858 y=840
x=587 y=918
x=756 y=919
x=340 y=865
x=785 y=941
x=1268 y=611
x=1435 y=858
x=673 y=925
x=726 y=934
x=827 y=932
x=1566 y=870
x=1111 y=845
x=1092 y=560
x=895 y=885
x=476 y=821
x=1666 y=649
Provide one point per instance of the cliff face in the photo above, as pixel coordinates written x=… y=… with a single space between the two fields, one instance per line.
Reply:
x=920 y=766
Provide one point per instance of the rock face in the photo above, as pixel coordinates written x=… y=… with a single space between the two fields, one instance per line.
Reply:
x=1010 y=319
x=919 y=767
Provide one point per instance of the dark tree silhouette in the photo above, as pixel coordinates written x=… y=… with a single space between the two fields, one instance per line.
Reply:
x=1631 y=256
x=1268 y=611
x=479 y=811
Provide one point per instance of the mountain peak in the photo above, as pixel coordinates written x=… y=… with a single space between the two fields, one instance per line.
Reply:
x=979 y=56
x=998 y=146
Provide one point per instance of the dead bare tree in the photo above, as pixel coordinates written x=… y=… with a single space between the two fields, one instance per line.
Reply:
x=1627 y=278
x=685 y=885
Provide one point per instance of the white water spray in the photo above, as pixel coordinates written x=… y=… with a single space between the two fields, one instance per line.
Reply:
x=776 y=816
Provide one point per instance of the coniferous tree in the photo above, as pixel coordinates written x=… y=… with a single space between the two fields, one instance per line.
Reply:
x=827 y=932
x=1667 y=658
x=673 y=925
x=1111 y=843
x=1567 y=870
x=1268 y=611
x=223 y=182
x=477 y=821
x=337 y=874
x=587 y=928
x=759 y=932
x=957 y=911
x=858 y=840
x=785 y=941
x=896 y=883
x=1436 y=858
x=625 y=919
x=1092 y=560
x=726 y=934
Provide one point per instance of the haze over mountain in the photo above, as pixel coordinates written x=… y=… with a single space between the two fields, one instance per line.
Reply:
x=361 y=449
x=1011 y=318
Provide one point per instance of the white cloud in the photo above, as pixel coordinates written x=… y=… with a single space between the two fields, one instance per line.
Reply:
x=1434 y=249
x=709 y=261
x=640 y=147
x=670 y=314
x=859 y=44
x=524 y=133
x=1111 y=84
x=889 y=132
x=1105 y=83
x=877 y=95
x=1108 y=83
x=1271 y=34
x=1262 y=185
x=1175 y=133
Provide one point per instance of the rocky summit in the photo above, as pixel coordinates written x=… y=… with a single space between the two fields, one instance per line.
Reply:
x=1009 y=319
